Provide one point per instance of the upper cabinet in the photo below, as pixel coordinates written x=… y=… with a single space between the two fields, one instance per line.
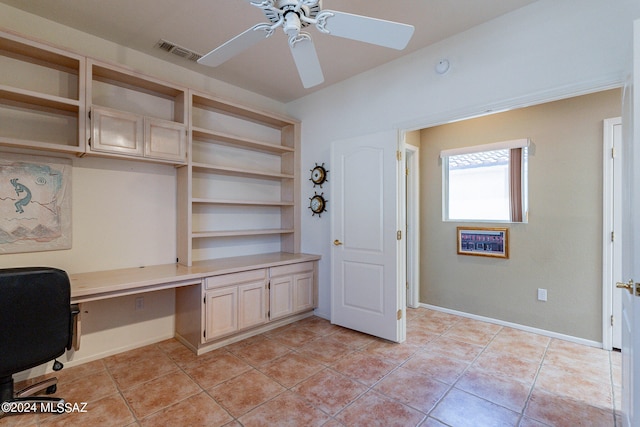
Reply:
x=134 y=115
x=42 y=93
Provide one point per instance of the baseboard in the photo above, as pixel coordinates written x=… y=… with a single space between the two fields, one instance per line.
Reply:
x=525 y=328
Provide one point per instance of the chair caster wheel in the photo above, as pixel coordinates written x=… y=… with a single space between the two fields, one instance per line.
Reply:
x=51 y=389
x=57 y=366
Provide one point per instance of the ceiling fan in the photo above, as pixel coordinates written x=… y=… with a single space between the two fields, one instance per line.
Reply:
x=292 y=16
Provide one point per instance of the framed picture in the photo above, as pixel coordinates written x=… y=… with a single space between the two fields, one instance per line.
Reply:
x=35 y=203
x=483 y=241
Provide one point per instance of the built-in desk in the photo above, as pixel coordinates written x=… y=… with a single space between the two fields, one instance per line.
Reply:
x=211 y=279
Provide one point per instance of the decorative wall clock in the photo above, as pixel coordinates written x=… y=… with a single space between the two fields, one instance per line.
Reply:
x=318 y=175
x=317 y=204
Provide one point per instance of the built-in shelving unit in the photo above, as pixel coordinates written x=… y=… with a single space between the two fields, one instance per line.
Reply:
x=238 y=194
x=41 y=96
x=238 y=167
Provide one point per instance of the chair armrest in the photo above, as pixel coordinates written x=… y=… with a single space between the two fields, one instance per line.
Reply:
x=75 y=310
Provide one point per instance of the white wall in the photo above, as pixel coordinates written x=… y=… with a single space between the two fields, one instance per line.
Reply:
x=547 y=50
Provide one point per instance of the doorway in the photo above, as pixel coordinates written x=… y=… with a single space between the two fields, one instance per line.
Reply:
x=612 y=232
x=412 y=180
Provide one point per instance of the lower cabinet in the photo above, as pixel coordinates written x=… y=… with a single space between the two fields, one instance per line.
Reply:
x=233 y=304
x=291 y=289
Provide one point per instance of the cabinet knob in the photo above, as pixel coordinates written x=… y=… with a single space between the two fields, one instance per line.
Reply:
x=337 y=242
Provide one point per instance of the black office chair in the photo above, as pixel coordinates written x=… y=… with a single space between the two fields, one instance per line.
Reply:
x=36 y=326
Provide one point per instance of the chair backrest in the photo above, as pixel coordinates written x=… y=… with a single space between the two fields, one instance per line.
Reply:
x=35 y=317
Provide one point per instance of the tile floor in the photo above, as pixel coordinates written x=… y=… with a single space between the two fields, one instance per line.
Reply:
x=452 y=371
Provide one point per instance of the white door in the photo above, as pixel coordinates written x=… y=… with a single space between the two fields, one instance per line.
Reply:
x=631 y=242
x=367 y=212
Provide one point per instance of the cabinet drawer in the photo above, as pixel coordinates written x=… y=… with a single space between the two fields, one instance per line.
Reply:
x=283 y=270
x=235 y=278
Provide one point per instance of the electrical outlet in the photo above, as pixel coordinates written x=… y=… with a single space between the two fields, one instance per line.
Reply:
x=542 y=294
x=139 y=303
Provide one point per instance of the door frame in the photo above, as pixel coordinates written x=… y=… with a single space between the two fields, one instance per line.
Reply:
x=412 y=230
x=398 y=230
x=610 y=229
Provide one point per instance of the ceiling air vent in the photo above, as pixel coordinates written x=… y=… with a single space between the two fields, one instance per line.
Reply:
x=178 y=50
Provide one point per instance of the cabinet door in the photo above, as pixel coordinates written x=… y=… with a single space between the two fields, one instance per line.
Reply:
x=165 y=140
x=303 y=292
x=116 y=132
x=221 y=312
x=281 y=297
x=252 y=304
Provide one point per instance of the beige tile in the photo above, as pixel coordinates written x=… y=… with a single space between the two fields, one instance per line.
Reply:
x=504 y=391
x=589 y=362
x=420 y=337
x=462 y=409
x=318 y=325
x=181 y=355
x=130 y=357
x=216 y=370
x=291 y=369
x=108 y=411
x=566 y=353
x=395 y=352
x=417 y=390
x=325 y=350
x=159 y=393
x=560 y=381
x=483 y=381
x=88 y=388
x=497 y=363
x=293 y=337
x=285 y=410
x=556 y=410
x=329 y=391
x=431 y=422
x=364 y=367
x=528 y=422
x=441 y=368
x=198 y=410
x=352 y=339
x=454 y=348
x=261 y=352
x=155 y=365
x=473 y=332
x=245 y=392
x=374 y=409
x=521 y=344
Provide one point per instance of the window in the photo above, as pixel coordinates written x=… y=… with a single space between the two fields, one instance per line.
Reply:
x=486 y=183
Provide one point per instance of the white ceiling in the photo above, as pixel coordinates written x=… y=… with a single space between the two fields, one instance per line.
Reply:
x=267 y=68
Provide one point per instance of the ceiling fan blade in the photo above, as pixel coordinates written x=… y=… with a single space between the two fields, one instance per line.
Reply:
x=365 y=29
x=306 y=59
x=236 y=45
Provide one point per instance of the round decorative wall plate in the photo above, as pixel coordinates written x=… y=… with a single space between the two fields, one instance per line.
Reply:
x=317 y=204
x=318 y=175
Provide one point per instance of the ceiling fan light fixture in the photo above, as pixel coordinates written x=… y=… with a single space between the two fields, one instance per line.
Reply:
x=291 y=24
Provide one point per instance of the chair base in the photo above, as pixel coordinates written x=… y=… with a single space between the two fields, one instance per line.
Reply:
x=25 y=400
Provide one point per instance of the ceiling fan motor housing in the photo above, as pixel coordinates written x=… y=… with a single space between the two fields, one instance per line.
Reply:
x=308 y=8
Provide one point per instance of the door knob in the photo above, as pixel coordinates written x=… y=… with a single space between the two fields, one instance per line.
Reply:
x=337 y=242
x=630 y=286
